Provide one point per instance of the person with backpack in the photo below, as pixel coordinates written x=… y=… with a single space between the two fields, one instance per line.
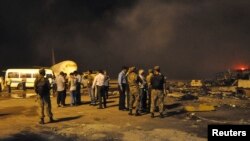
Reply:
x=42 y=88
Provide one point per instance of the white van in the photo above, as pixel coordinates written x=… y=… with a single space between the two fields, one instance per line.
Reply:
x=29 y=75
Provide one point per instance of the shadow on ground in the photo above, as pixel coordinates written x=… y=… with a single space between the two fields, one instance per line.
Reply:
x=43 y=136
x=66 y=119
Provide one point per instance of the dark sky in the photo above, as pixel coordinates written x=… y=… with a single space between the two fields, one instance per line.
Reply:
x=188 y=39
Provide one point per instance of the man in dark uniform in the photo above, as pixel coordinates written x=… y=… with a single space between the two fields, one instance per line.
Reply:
x=158 y=91
x=42 y=88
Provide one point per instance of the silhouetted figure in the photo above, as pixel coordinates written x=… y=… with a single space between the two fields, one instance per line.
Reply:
x=42 y=88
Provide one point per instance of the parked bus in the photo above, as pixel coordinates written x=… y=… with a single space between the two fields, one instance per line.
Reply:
x=28 y=75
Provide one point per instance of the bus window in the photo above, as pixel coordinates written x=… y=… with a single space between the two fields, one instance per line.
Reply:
x=13 y=75
x=35 y=75
x=25 y=75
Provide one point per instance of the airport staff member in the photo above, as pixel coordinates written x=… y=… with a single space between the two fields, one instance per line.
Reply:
x=8 y=84
x=122 y=87
x=158 y=91
x=42 y=88
x=60 y=83
x=99 y=83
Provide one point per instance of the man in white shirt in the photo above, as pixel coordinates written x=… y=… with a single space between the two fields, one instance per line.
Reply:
x=60 y=83
x=99 y=83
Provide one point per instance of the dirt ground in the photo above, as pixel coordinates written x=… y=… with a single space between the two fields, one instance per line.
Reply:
x=19 y=120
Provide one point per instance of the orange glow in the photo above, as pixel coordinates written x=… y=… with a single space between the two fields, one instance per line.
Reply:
x=242 y=69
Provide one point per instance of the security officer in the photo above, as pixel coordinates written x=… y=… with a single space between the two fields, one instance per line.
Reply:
x=133 y=82
x=158 y=91
x=42 y=88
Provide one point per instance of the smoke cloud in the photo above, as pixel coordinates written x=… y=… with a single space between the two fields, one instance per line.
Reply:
x=188 y=40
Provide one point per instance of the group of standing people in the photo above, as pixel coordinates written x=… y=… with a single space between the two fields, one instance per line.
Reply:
x=98 y=86
x=42 y=87
x=74 y=87
x=136 y=89
x=145 y=92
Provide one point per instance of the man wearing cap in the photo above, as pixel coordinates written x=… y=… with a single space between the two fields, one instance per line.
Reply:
x=42 y=88
x=133 y=82
x=158 y=91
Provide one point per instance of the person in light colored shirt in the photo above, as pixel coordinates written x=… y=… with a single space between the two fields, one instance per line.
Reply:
x=99 y=83
x=60 y=83
x=72 y=89
x=122 y=87
x=143 y=91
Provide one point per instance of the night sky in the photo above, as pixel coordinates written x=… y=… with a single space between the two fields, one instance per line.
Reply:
x=187 y=38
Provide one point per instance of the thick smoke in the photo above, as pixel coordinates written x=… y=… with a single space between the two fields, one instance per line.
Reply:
x=188 y=40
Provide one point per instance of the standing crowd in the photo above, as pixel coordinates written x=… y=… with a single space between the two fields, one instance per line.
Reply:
x=146 y=93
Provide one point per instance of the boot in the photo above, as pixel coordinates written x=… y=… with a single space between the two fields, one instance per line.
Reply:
x=51 y=119
x=152 y=115
x=137 y=113
x=161 y=115
x=130 y=112
x=41 y=121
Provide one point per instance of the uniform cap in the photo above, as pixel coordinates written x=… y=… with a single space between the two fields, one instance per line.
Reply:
x=150 y=71
x=132 y=68
x=157 y=68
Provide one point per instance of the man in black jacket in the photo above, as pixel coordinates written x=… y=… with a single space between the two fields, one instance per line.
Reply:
x=158 y=91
